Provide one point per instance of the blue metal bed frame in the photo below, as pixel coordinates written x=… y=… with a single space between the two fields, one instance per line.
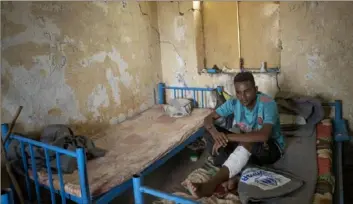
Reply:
x=80 y=156
x=340 y=133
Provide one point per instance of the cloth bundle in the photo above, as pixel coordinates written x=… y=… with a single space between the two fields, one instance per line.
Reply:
x=178 y=107
x=306 y=113
x=59 y=136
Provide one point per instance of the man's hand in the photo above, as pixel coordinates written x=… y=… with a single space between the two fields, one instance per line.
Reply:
x=215 y=148
x=220 y=138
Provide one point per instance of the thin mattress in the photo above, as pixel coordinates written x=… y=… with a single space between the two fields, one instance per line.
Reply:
x=131 y=146
x=313 y=165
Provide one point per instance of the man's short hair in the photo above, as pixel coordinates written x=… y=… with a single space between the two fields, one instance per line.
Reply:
x=243 y=77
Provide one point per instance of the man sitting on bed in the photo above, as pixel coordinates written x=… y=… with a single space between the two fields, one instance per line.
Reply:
x=260 y=142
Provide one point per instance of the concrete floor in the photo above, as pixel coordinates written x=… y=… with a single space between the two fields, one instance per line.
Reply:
x=168 y=177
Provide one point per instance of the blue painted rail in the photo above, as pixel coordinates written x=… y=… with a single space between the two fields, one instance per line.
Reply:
x=79 y=154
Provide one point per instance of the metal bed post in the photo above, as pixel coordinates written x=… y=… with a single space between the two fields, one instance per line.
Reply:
x=7 y=196
x=138 y=196
x=338 y=110
x=161 y=93
x=219 y=89
x=139 y=190
x=340 y=135
x=82 y=171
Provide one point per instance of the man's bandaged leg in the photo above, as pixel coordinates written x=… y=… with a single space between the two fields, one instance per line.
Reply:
x=237 y=160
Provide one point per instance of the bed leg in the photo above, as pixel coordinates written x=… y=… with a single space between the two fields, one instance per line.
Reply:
x=82 y=171
x=161 y=93
x=138 y=196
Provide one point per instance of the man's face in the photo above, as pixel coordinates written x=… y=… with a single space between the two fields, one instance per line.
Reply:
x=246 y=93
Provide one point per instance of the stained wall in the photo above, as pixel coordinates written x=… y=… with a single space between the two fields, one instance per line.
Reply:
x=316 y=41
x=88 y=64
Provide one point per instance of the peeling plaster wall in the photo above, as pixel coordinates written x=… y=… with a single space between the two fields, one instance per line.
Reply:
x=317 y=40
x=180 y=51
x=85 y=63
x=89 y=64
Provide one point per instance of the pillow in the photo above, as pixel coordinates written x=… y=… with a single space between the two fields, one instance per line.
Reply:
x=263 y=184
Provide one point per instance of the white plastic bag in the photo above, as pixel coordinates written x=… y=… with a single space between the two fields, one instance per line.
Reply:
x=178 y=107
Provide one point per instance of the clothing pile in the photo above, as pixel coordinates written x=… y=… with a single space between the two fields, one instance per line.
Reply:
x=59 y=136
x=306 y=111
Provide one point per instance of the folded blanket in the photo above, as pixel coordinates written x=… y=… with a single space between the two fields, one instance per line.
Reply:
x=59 y=136
x=309 y=108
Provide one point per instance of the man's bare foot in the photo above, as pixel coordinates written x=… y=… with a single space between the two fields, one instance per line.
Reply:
x=201 y=190
x=231 y=184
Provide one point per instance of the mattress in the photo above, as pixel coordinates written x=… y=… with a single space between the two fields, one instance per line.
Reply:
x=325 y=184
x=310 y=159
x=131 y=146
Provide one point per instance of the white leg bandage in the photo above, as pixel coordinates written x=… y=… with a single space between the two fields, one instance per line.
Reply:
x=237 y=160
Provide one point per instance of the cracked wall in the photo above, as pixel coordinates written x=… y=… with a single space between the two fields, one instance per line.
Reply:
x=317 y=41
x=181 y=51
x=89 y=64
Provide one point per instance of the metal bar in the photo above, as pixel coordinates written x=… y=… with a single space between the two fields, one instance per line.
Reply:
x=34 y=173
x=328 y=104
x=7 y=196
x=68 y=196
x=338 y=110
x=189 y=88
x=161 y=93
x=44 y=146
x=50 y=176
x=174 y=91
x=194 y=96
x=166 y=196
x=25 y=167
x=238 y=29
x=61 y=179
x=182 y=93
x=82 y=172
x=138 y=196
x=202 y=100
x=341 y=131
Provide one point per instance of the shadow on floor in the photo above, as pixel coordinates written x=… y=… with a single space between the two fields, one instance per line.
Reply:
x=168 y=177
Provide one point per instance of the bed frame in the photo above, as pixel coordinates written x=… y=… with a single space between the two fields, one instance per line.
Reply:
x=81 y=160
x=340 y=133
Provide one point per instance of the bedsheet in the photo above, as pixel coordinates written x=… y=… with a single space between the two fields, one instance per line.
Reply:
x=131 y=147
x=326 y=181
